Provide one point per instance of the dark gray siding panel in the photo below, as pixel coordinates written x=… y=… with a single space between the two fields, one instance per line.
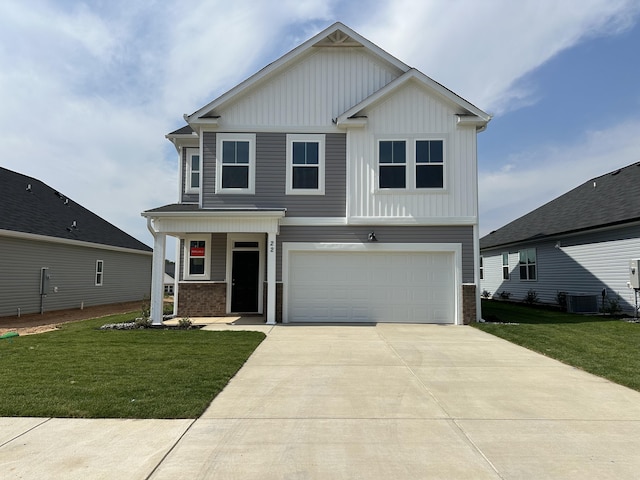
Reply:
x=359 y=234
x=127 y=276
x=271 y=178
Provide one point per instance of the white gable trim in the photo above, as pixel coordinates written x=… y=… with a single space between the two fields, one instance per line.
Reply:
x=319 y=40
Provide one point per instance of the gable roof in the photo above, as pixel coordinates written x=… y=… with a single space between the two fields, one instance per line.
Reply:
x=336 y=35
x=609 y=200
x=30 y=206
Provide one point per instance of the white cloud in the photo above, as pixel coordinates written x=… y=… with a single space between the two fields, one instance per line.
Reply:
x=533 y=178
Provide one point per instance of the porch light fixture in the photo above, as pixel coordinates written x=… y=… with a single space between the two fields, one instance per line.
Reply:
x=372 y=237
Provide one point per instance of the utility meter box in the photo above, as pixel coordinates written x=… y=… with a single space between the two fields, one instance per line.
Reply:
x=634 y=273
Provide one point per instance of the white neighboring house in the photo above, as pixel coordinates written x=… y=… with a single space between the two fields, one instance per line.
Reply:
x=337 y=184
x=579 y=246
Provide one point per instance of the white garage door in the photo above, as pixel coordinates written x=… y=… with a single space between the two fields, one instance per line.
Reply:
x=412 y=287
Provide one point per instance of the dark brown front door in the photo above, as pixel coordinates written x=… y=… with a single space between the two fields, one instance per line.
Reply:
x=244 y=282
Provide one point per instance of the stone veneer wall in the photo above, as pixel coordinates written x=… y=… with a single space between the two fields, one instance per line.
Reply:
x=202 y=299
x=468 y=303
x=278 y=301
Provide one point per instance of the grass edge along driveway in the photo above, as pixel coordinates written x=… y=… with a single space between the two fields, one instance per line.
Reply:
x=80 y=371
x=604 y=346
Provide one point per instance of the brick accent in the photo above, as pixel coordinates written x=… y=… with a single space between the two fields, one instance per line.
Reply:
x=468 y=303
x=278 y=301
x=202 y=299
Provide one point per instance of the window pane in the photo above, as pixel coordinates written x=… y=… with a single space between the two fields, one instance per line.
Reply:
x=429 y=176
x=312 y=153
x=422 y=151
x=195 y=179
x=532 y=272
x=399 y=152
x=235 y=177
x=298 y=153
x=505 y=259
x=386 y=152
x=531 y=255
x=392 y=177
x=523 y=272
x=228 y=152
x=305 y=177
x=195 y=163
x=242 y=152
x=523 y=257
x=436 y=151
x=505 y=273
x=196 y=266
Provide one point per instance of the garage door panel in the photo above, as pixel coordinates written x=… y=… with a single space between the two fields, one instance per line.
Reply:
x=365 y=286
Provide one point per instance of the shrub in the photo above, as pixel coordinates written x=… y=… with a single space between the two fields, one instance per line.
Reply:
x=185 y=323
x=486 y=294
x=531 y=297
x=504 y=295
x=611 y=306
x=561 y=300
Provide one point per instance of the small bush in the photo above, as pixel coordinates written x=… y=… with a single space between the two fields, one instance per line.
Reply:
x=531 y=297
x=185 y=323
x=561 y=300
x=486 y=294
x=611 y=306
x=504 y=295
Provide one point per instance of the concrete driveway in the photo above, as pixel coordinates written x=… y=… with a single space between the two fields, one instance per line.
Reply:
x=373 y=402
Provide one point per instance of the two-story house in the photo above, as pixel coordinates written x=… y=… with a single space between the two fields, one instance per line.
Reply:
x=337 y=184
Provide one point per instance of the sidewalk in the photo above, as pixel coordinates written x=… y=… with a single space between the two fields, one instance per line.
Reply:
x=370 y=402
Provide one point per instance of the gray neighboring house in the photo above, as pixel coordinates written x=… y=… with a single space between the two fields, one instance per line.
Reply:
x=56 y=254
x=579 y=245
x=336 y=184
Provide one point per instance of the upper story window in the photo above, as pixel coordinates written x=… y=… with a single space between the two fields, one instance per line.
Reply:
x=197 y=259
x=236 y=162
x=429 y=164
x=193 y=171
x=505 y=266
x=305 y=164
x=411 y=164
x=99 y=272
x=481 y=268
x=527 y=264
x=393 y=163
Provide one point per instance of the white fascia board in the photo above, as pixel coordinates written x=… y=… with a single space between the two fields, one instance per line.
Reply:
x=428 y=221
x=313 y=221
x=289 y=57
x=217 y=213
x=65 y=241
x=420 y=77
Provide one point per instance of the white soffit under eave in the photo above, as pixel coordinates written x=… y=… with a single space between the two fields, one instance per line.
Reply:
x=420 y=77
x=336 y=35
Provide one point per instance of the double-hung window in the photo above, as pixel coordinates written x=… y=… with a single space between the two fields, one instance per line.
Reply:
x=305 y=164
x=527 y=264
x=481 y=268
x=193 y=171
x=99 y=272
x=429 y=164
x=413 y=164
x=392 y=160
x=196 y=258
x=235 y=165
x=505 y=266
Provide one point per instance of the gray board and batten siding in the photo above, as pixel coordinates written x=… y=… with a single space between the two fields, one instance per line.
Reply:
x=270 y=178
x=73 y=271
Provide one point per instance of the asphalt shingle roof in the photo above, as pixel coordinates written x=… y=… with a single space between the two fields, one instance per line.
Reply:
x=611 y=199
x=31 y=206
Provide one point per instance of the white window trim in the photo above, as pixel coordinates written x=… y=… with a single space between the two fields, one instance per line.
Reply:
x=99 y=273
x=535 y=264
x=188 y=188
x=207 y=257
x=505 y=265
x=320 y=139
x=242 y=137
x=411 y=164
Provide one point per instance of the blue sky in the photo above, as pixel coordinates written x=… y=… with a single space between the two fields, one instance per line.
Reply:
x=89 y=89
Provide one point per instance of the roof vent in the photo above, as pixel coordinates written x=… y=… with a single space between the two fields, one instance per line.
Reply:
x=616 y=172
x=28 y=187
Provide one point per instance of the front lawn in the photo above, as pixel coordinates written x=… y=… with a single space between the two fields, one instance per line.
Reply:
x=603 y=346
x=80 y=371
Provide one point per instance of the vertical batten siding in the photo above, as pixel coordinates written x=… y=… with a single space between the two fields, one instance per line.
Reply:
x=413 y=111
x=315 y=90
x=218 y=257
x=126 y=277
x=584 y=264
x=350 y=234
x=271 y=174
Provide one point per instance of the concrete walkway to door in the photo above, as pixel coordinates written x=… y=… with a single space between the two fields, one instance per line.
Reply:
x=409 y=402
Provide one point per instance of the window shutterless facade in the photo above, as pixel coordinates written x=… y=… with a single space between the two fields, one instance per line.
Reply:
x=411 y=164
x=235 y=163
x=305 y=164
x=197 y=259
x=193 y=171
x=99 y=272
x=505 y=266
x=527 y=264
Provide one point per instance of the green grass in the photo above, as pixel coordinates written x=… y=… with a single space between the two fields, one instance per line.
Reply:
x=80 y=371
x=604 y=346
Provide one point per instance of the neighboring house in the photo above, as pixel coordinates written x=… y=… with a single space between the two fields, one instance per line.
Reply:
x=578 y=245
x=55 y=254
x=169 y=282
x=337 y=184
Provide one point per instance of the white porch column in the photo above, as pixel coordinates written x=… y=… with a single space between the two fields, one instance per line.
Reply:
x=157 y=277
x=176 y=281
x=271 y=278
